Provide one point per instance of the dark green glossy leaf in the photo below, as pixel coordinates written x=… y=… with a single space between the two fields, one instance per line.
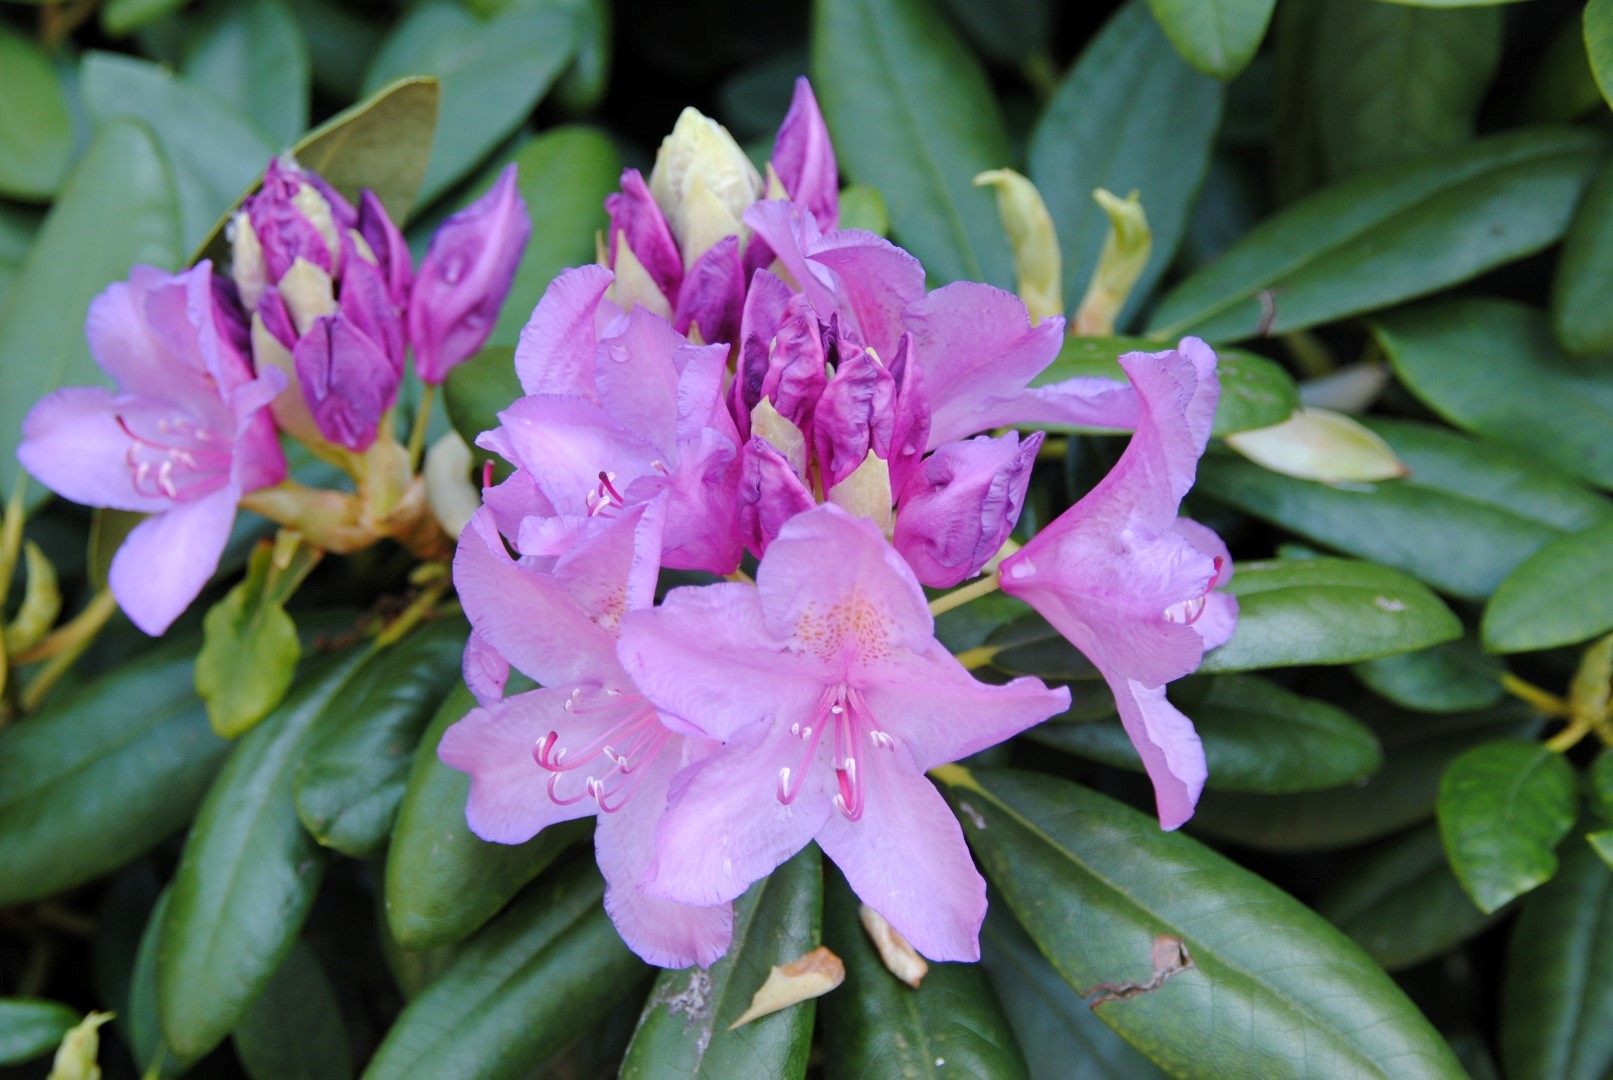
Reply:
x=252 y=56
x=1562 y=87
x=492 y=73
x=356 y=760
x=1258 y=737
x=88 y=783
x=683 y=1031
x=912 y=114
x=1328 y=611
x=442 y=881
x=1558 y=991
x=477 y=390
x=116 y=209
x=1060 y=1035
x=1388 y=236
x=1219 y=37
x=1255 y=391
x=213 y=151
x=584 y=83
x=1416 y=750
x=1599 y=44
x=1010 y=32
x=1105 y=129
x=247 y=877
x=1400 y=82
x=382 y=143
x=876 y=1025
x=294 y=1031
x=1467 y=360
x=1401 y=903
x=151 y=1053
x=1503 y=809
x=1599 y=784
x=1453 y=677
x=31 y=1027
x=1545 y=602
x=120 y=17
x=1580 y=319
x=519 y=992
x=1466 y=516
x=1097 y=884
x=36 y=133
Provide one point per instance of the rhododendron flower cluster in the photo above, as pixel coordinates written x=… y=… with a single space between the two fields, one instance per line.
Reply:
x=740 y=380
x=308 y=336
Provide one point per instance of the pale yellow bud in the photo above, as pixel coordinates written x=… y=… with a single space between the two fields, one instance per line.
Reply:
x=76 y=1056
x=634 y=285
x=789 y=440
x=706 y=220
x=701 y=153
x=867 y=491
x=450 y=494
x=1122 y=261
x=308 y=294
x=1038 y=263
x=246 y=261
x=312 y=205
x=1315 y=444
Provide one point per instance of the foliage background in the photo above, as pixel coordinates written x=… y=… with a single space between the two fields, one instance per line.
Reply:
x=1401 y=209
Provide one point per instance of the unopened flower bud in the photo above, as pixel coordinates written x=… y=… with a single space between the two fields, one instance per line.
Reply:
x=387 y=249
x=866 y=491
x=960 y=505
x=641 y=246
x=803 y=159
x=703 y=183
x=346 y=380
x=855 y=415
x=1037 y=260
x=712 y=295
x=308 y=294
x=1316 y=444
x=465 y=277
x=1120 y=263
x=80 y=1047
x=770 y=493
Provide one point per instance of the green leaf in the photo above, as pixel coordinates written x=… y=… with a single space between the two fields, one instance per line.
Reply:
x=213 y=151
x=1389 y=236
x=1097 y=885
x=913 y=115
x=1453 y=677
x=876 y=1025
x=249 y=653
x=17 y=230
x=1012 y=31
x=1601 y=842
x=1255 y=392
x=89 y=782
x=1599 y=44
x=122 y=17
x=31 y=1027
x=1503 y=809
x=294 y=1031
x=1545 y=602
x=863 y=207
x=151 y=1053
x=1401 y=903
x=442 y=881
x=583 y=84
x=247 y=877
x=1585 y=274
x=1558 y=990
x=36 y=133
x=1219 y=37
x=355 y=762
x=683 y=1031
x=1561 y=87
x=1398 y=82
x=252 y=57
x=1061 y=1037
x=1466 y=359
x=492 y=73
x=1599 y=782
x=1416 y=750
x=1104 y=128
x=477 y=390
x=341 y=41
x=1327 y=611
x=383 y=143
x=1467 y=515
x=519 y=991
x=564 y=175
x=116 y=209
x=1257 y=736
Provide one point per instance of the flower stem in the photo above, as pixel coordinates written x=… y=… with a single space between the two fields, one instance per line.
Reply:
x=63 y=648
x=958 y=597
x=979 y=656
x=1545 y=702
x=11 y=521
x=413 y=615
x=1569 y=737
x=417 y=434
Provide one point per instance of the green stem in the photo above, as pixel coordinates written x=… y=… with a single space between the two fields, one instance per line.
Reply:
x=63 y=648
x=958 y=597
x=417 y=434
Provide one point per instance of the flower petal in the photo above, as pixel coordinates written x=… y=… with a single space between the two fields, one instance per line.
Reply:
x=1169 y=746
x=804 y=158
x=960 y=505
x=74 y=445
x=556 y=350
x=168 y=558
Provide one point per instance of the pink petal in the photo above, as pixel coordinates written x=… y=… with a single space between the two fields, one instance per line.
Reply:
x=662 y=932
x=961 y=504
x=804 y=158
x=712 y=294
x=770 y=494
x=556 y=351
x=509 y=792
x=564 y=443
x=875 y=281
x=906 y=858
x=1170 y=748
x=636 y=376
x=486 y=672
x=637 y=221
x=854 y=415
x=611 y=568
x=168 y=558
x=702 y=525
x=74 y=445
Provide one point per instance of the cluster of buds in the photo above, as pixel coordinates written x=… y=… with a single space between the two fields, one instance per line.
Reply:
x=308 y=337
x=742 y=380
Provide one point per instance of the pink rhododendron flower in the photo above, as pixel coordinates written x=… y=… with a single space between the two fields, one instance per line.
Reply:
x=831 y=697
x=588 y=742
x=1130 y=584
x=183 y=437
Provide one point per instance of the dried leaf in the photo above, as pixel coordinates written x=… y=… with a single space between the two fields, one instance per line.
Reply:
x=813 y=975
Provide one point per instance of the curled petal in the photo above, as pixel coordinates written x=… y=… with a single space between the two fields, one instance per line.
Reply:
x=635 y=220
x=804 y=158
x=855 y=415
x=556 y=351
x=386 y=243
x=770 y=494
x=712 y=295
x=961 y=504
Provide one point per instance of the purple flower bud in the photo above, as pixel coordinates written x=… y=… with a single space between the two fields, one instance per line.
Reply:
x=637 y=221
x=277 y=319
x=292 y=219
x=961 y=504
x=782 y=359
x=465 y=277
x=367 y=302
x=911 y=431
x=346 y=379
x=710 y=299
x=770 y=493
x=804 y=159
x=854 y=415
x=387 y=245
